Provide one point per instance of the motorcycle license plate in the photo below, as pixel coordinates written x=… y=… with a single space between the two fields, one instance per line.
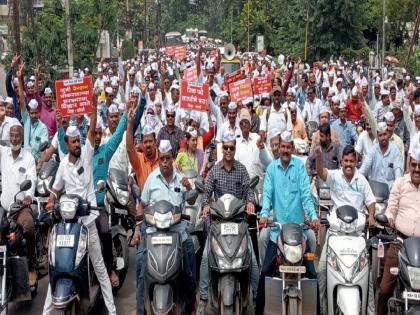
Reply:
x=229 y=229
x=411 y=295
x=42 y=199
x=121 y=211
x=162 y=240
x=65 y=241
x=293 y=269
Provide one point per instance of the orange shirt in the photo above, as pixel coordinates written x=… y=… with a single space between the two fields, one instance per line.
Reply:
x=143 y=167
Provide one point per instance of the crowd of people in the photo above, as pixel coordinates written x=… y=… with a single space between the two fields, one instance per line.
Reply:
x=340 y=119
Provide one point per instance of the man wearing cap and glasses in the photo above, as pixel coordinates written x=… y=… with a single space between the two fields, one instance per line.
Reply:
x=75 y=176
x=345 y=129
x=312 y=106
x=383 y=106
x=47 y=112
x=164 y=183
x=403 y=214
x=231 y=125
x=228 y=176
x=384 y=162
x=288 y=192
x=170 y=131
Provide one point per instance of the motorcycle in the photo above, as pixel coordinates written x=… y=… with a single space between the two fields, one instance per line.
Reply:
x=325 y=204
x=407 y=292
x=74 y=286
x=162 y=281
x=13 y=258
x=120 y=221
x=291 y=245
x=229 y=255
x=347 y=262
x=381 y=235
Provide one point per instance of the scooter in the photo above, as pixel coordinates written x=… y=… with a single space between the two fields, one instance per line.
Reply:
x=347 y=262
x=162 y=282
x=325 y=205
x=407 y=292
x=291 y=251
x=74 y=286
x=14 y=281
x=229 y=256
x=120 y=221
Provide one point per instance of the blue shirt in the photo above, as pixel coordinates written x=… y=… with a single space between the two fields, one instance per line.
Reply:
x=301 y=97
x=346 y=132
x=156 y=188
x=103 y=156
x=33 y=134
x=384 y=168
x=288 y=192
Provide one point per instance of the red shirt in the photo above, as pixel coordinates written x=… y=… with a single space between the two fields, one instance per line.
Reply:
x=354 y=111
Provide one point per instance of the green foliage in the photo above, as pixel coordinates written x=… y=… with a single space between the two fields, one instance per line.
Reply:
x=128 y=50
x=414 y=65
x=353 y=54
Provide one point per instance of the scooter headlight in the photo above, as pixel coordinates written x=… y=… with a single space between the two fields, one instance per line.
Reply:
x=324 y=194
x=82 y=245
x=348 y=227
x=122 y=196
x=162 y=221
x=293 y=254
x=414 y=276
x=68 y=207
x=225 y=264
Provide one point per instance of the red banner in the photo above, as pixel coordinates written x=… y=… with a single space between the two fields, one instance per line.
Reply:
x=230 y=78
x=194 y=95
x=240 y=90
x=74 y=97
x=190 y=74
x=262 y=85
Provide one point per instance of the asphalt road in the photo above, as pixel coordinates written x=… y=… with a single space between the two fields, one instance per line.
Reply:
x=125 y=299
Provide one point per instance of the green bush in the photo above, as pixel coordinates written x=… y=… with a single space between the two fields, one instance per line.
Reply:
x=128 y=50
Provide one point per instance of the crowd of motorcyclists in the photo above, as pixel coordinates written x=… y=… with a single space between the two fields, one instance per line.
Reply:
x=262 y=179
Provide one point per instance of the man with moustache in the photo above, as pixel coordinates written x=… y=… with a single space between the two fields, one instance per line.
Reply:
x=403 y=214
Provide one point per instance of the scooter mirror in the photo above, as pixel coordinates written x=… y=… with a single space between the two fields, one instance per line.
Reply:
x=44 y=146
x=254 y=182
x=100 y=186
x=136 y=191
x=382 y=219
x=26 y=184
x=199 y=186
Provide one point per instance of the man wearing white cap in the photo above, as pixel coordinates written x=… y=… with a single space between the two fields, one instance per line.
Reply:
x=275 y=116
x=412 y=114
x=10 y=107
x=129 y=85
x=354 y=106
x=298 y=127
x=268 y=155
x=231 y=125
x=340 y=91
x=103 y=108
x=99 y=82
x=384 y=162
x=324 y=93
x=35 y=132
x=170 y=131
x=75 y=176
x=375 y=97
x=16 y=166
x=164 y=183
x=389 y=120
x=383 y=106
x=400 y=129
x=312 y=106
x=287 y=191
x=246 y=146
x=365 y=141
x=47 y=112
x=403 y=214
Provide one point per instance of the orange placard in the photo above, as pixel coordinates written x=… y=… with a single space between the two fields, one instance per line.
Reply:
x=262 y=85
x=240 y=90
x=74 y=97
x=190 y=74
x=230 y=78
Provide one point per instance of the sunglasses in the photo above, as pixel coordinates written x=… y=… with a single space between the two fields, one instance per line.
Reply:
x=170 y=115
x=229 y=148
x=277 y=94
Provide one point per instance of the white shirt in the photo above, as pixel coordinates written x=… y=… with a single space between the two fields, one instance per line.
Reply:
x=276 y=119
x=5 y=129
x=342 y=95
x=227 y=128
x=311 y=110
x=119 y=160
x=14 y=172
x=414 y=143
x=56 y=145
x=380 y=110
x=356 y=193
x=77 y=178
x=100 y=83
x=248 y=154
x=364 y=143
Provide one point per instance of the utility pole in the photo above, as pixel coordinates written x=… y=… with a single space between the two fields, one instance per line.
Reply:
x=384 y=21
x=16 y=25
x=231 y=18
x=69 y=38
x=414 y=38
x=145 y=24
x=306 y=35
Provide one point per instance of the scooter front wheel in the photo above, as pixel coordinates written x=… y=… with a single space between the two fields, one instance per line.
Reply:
x=72 y=309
